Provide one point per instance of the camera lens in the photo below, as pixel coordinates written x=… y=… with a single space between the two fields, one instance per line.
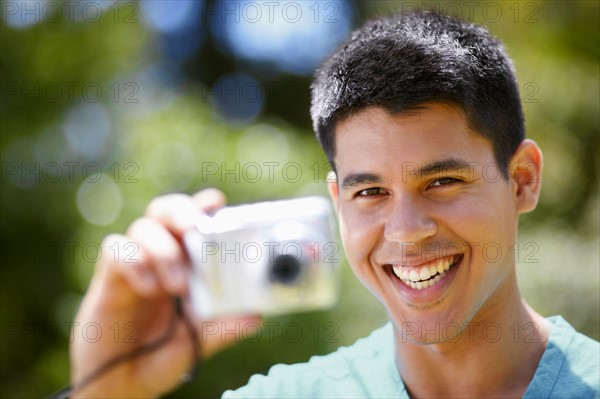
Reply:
x=285 y=269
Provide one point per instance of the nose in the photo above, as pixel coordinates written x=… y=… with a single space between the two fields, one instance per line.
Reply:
x=409 y=221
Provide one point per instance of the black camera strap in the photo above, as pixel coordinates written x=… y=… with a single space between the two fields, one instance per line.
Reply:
x=190 y=376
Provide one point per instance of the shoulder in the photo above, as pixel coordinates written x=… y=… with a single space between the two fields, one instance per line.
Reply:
x=364 y=369
x=570 y=366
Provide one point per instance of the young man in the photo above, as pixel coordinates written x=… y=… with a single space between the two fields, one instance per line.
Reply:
x=420 y=116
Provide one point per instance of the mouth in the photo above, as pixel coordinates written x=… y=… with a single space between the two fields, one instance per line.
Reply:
x=428 y=274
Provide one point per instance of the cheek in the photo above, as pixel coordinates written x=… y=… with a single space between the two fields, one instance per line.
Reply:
x=359 y=236
x=480 y=216
x=487 y=225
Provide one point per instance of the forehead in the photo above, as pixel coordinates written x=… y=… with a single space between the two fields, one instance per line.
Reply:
x=428 y=134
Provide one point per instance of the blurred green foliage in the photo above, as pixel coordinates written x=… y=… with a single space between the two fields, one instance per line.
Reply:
x=173 y=138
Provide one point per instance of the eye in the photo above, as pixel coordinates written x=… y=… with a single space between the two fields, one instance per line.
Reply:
x=444 y=181
x=369 y=192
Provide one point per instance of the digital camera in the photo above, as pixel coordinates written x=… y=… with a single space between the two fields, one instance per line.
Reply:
x=266 y=258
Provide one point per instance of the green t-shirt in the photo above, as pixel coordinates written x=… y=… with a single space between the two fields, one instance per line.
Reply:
x=569 y=368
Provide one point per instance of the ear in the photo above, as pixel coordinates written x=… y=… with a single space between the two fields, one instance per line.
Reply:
x=526 y=172
x=332 y=187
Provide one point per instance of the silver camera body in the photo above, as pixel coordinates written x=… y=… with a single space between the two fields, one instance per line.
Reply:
x=268 y=258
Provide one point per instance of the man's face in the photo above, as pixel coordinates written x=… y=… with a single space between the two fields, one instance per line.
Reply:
x=426 y=218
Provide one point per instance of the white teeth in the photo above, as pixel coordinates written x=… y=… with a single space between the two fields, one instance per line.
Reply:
x=405 y=274
x=414 y=276
x=432 y=270
x=440 y=266
x=423 y=279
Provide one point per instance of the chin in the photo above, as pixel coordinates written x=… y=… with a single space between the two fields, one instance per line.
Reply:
x=429 y=326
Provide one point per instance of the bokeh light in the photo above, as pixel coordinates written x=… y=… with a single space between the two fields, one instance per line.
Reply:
x=237 y=98
x=99 y=200
x=87 y=129
x=179 y=26
x=263 y=142
x=170 y=16
x=292 y=36
x=171 y=166
x=26 y=13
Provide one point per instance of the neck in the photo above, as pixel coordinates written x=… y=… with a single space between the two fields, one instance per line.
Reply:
x=496 y=355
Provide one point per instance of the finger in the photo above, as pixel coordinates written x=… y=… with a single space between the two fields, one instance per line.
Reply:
x=177 y=212
x=165 y=254
x=210 y=199
x=124 y=258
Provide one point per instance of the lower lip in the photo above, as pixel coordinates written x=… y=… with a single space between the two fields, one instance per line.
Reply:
x=429 y=294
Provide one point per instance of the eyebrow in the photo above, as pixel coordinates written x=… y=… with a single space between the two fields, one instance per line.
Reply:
x=442 y=166
x=360 y=178
x=357 y=179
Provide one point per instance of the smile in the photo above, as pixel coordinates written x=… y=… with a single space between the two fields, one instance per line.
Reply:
x=427 y=274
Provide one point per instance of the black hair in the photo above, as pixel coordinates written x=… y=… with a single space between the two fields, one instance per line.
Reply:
x=405 y=61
